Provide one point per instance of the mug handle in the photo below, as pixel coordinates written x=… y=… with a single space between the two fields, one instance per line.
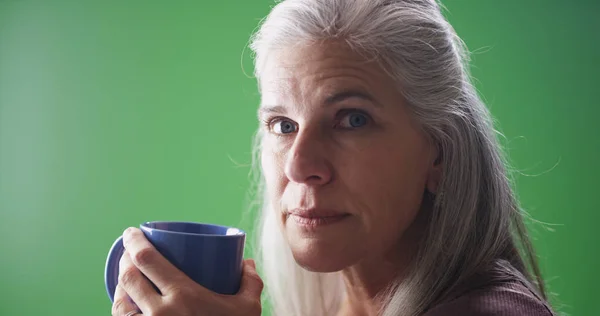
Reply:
x=111 y=270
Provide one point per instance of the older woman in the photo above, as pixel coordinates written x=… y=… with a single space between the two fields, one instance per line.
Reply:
x=385 y=190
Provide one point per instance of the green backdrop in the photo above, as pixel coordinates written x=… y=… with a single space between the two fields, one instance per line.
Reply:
x=117 y=112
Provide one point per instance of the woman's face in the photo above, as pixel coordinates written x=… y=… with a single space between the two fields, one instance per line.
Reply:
x=345 y=165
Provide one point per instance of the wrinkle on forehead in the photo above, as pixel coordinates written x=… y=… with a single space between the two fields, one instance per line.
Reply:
x=296 y=75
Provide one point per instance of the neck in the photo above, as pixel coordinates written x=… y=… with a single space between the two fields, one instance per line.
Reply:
x=367 y=280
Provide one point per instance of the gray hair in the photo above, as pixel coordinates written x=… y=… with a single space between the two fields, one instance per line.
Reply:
x=475 y=213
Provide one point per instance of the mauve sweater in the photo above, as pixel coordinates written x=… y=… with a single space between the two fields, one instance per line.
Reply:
x=494 y=293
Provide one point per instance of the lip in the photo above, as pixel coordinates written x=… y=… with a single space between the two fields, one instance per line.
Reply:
x=316 y=213
x=311 y=219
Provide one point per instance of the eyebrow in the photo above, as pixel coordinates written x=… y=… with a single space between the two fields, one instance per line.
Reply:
x=348 y=94
x=275 y=109
x=330 y=100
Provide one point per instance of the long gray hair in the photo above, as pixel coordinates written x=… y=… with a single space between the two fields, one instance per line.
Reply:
x=475 y=218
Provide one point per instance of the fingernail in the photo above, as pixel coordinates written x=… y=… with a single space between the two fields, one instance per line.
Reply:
x=125 y=253
x=252 y=263
x=127 y=232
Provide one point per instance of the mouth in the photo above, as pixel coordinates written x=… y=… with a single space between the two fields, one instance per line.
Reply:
x=313 y=218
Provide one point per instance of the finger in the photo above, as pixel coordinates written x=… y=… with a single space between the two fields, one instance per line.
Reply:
x=136 y=285
x=251 y=284
x=122 y=303
x=151 y=263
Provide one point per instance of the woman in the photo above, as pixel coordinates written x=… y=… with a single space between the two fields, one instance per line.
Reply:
x=385 y=190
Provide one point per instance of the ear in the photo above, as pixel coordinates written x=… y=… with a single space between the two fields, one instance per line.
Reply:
x=435 y=173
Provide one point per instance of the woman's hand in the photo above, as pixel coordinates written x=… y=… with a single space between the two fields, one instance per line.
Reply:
x=180 y=294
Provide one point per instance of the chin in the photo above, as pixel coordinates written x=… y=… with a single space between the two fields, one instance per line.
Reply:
x=316 y=256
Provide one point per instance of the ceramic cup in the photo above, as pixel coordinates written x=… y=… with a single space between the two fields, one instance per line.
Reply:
x=211 y=255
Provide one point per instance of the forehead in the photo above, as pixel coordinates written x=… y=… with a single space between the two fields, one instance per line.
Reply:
x=318 y=69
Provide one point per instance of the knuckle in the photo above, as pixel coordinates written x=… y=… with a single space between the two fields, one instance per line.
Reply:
x=256 y=279
x=118 y=307
x=260 y=283
x=143 y=257
x=128 y=276
x=176 y=292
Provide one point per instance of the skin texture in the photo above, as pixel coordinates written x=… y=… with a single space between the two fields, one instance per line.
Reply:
x=339 y=137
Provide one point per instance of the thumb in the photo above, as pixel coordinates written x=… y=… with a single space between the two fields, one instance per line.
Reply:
x=251 y=284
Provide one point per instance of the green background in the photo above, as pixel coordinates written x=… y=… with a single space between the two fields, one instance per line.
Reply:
x=117 y=112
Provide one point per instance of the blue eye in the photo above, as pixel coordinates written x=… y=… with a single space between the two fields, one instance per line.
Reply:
x=354 y=120
x=283 y=127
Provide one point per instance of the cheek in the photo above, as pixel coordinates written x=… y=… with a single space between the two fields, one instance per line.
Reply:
x=391 y=192
x=392 y=206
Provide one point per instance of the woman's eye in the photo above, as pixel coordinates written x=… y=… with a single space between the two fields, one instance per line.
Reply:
x=283 y=127
x=354 y=120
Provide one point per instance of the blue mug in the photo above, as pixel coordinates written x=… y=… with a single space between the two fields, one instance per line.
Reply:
x=211 y=255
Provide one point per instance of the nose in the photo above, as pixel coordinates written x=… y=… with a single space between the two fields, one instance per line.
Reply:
x=307 y=160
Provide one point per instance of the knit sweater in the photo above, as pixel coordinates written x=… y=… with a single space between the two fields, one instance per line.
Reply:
x=493 y=293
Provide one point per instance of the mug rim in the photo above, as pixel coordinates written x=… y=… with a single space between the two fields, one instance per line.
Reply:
x=145 y=226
